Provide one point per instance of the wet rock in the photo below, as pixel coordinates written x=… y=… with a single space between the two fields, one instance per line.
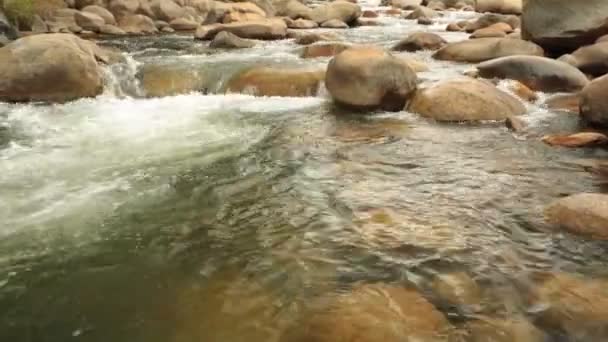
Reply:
x=111 y=30
x=522 y=91
x=302 y=24
x=159 y=80
x=371 y=313
x=457 y=289
x=369 y=77
x=424 y=21
x=267 y=29
x=89 y=21
x=538 y=73
x=490 y=19
x=393 y=12
x=137 y=24
x=483 y=49
x=436 y=5
x=516 y=124
x=584 y=214
x=107 y=16
x=454 y=27
x=334 y=23
x=340 y=10
x=167 y=29
x=488 y=32
x=422 y=12
x=585 y=139
x=293 y=9
x=504 y=330
x=414 y=64
x=369 y=14
x=465 y=100
x=161 y=24
x=572 y=305
x=311 y=38
x=499 y=6
x=592 y=59
x=402 y=4
x=594 y=102
x=266 y=81
x=564 y=102
x=420 y=41
x=166 y=10
x=562 y=25
x=183 y=24
x=31 y=65
x=324 y=50
x=227 y=40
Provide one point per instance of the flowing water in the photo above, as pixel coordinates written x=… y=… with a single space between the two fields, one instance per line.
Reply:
x=207 y=217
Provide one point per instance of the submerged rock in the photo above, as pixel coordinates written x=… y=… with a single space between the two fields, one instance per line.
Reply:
x=227 y=40
x=584 y=139
x=483 y=49
x=594 y=102
x=371 y=313
x=369 y=77
x=538 y=73
x=584 y=214
x=564 y=102
x=266 y=81
x=32 y=66
x=457 y=289
x=564 y=25
x=465 y=100
x=311 y=38
x=158 y=80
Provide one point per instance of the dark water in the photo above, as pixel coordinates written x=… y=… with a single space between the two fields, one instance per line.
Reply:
x=220 y=218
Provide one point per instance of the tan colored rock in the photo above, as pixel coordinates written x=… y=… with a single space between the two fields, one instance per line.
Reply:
x=267 y=81
x=137 y=24
x=584 y=139
x=564 y=102
x=483 y=49
x=422 y=12
x=183 y=24
x=89 y=21
x=490 y=19
x=516 y=124
x=227 y=40
x=311 y=38
x=584 y=214
x=371 y=313
x=594 y=102
x=454 y=27
x=340 y=10
x=488 y=32
x=107 y=16
x=31 y=65
x=122 y=8
x=301 y=24
x=293 y=9
x=369 y=77
x=370 y=14
x=158 y=80
x=457 y=289
x=465 y=100
x=166 y=10
x=522 y=91
x=112 y=30
x=499 y=6
x=324 y=49
x=335 y=24
x=591 y=59
x=236 y=17
x=267 y=29
x=504 y=330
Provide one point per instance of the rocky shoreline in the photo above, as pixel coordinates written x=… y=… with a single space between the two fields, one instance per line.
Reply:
x=539 y=46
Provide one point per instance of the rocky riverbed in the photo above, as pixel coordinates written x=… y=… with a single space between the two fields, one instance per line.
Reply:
x=279 y=171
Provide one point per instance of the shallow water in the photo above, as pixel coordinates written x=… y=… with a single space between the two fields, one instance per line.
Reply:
x=219 y=217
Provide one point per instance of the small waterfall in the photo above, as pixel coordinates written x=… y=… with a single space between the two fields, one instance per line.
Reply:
x=121 y=79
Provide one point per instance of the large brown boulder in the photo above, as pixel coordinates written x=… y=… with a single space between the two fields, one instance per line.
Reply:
x=166 y=10
x=584 y=214
x=267 y=81
x=483 y=49
x=341 y=10
x=573 y=306
x=371 y=313
x=499 y=6
x=564 y=25
x=490 y=19
x=89 y=21
x=420 y=41
x=369 y=77
x=137 y=24
x=107 y=16
x=591 y=59
x=50 y=68
x=266 y=29
x=465 y=100
x=538 y=73
x=594 y=102
x=293 y=9
x=121 y=8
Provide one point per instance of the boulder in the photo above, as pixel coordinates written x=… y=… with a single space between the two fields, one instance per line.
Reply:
x=183 y=24
x=31 y=67
x=516 y=124
x=594 y=102
x=107 y=16
x=340 y=10
x=63 y=20
x=592 y=59
x=368 y=77
x=420 y=41
x=573 y=306
x=568 y=103
x=517 y=329
x=301 y=24
x=166 y=10
x=311 y=38
x=499 y=6
x=89 y=21
x=266 y=29
x=371 y=313
x=111 y=30
x=488 y=32
x=324 y=49
x=562 y=26
x=137 y=24
x=424 y=21
x=227 y=40
x=334 y=23
x=483 y=49
x=538 y=73
x=490 y=19
x=584 y=139
x=267 y=81
x=465 y=100
x=403 y=4
x=457 y=289
x=158 y=80
x=235 y=17
x=454 y=27
x=422 y=12
x=121 y=8
x=369 y=14
x=583 y=214
x=201 y=6
x=293 y=9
